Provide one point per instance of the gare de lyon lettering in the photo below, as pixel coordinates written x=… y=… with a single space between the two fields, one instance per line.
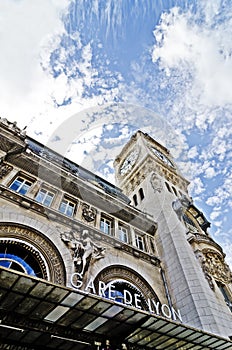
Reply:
x=126 y=297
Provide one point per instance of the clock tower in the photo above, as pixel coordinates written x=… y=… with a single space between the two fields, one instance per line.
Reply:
x=191 y=259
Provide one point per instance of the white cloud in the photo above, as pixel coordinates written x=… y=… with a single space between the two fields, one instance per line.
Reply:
x=202 y=49
x=25 y=27
x=193 y=152
x=210 y=172
x=214 y=215
x=196 y=186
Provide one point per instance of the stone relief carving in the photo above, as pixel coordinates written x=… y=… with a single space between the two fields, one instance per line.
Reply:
x=213 y=265
x=88 y=213
x=180 y=205
x=205 y=269
x=217 y=266
x=5 y=169
x=156 y=182
x=84 y=250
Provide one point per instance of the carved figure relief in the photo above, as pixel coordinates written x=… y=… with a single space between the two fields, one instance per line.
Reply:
x=213 y=265
x=156 y=182
x=180 y=205
x=84 y=250
x=217 y=266
x=5 y=169
x=88 y=213
x=205 y=269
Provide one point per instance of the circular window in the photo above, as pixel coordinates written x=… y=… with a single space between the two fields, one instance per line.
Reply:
x=16 y=263
x=22 y=257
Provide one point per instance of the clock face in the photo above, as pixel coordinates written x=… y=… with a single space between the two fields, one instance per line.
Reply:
x=129 y=162
x=161 y=156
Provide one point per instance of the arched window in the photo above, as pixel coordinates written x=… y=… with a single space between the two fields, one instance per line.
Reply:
x=135 y=200
x=168 y=187
x=141 y=193
x=174 y=190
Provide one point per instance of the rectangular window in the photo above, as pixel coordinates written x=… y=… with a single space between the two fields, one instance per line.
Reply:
x=45 y=197
x=67 y=207
x=139 y=241
x=106 y=225
x=21 y=185
x=123 y=233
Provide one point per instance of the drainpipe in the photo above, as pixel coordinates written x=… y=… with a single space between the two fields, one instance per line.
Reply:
x=166 y=289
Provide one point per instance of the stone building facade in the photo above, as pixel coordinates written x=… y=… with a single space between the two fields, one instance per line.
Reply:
x=136 y=255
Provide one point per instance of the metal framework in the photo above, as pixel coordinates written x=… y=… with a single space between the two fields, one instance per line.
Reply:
x=35 y=313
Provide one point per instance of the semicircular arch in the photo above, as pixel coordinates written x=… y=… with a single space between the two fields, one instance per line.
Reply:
x=126 y=278
x=28 y=246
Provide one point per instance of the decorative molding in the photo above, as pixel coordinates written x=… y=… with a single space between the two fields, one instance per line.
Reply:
x=214 y=266
x=156 y=182
x=217 y=266
x=88 y=213
x=112 y=273
x=146 y=169
x=46 y=248
x=205 y=268
x=5 y=169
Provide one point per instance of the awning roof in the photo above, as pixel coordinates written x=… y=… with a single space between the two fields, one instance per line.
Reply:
x=35 y=312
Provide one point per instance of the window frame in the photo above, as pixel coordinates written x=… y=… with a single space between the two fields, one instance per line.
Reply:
x=48 y=191
x=68 y=200
x=21 y=186
x=122 y=233
x=140 y=238
x=104 y=219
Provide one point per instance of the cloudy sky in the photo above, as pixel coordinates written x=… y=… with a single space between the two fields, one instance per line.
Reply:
x=83 y=75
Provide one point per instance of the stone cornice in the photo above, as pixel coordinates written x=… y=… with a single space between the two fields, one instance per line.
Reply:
x=202 y=238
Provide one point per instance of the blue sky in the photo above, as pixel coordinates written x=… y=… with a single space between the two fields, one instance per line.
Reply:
x=84 y=75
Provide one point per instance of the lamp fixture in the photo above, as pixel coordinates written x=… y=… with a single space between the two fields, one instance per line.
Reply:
x=11 y=327
x=72 y=340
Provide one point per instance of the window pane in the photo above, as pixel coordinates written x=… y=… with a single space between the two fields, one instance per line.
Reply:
x=105 y=226
x=123 y=234
x=67 y=207
x=70 y=209
x=16 y=184
x=20 y=185
x=141 y=193
x=24 y=188
x=139 y=242
x=48 y=199
x=62 y=207
x=44 y=197
x=40 y=196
